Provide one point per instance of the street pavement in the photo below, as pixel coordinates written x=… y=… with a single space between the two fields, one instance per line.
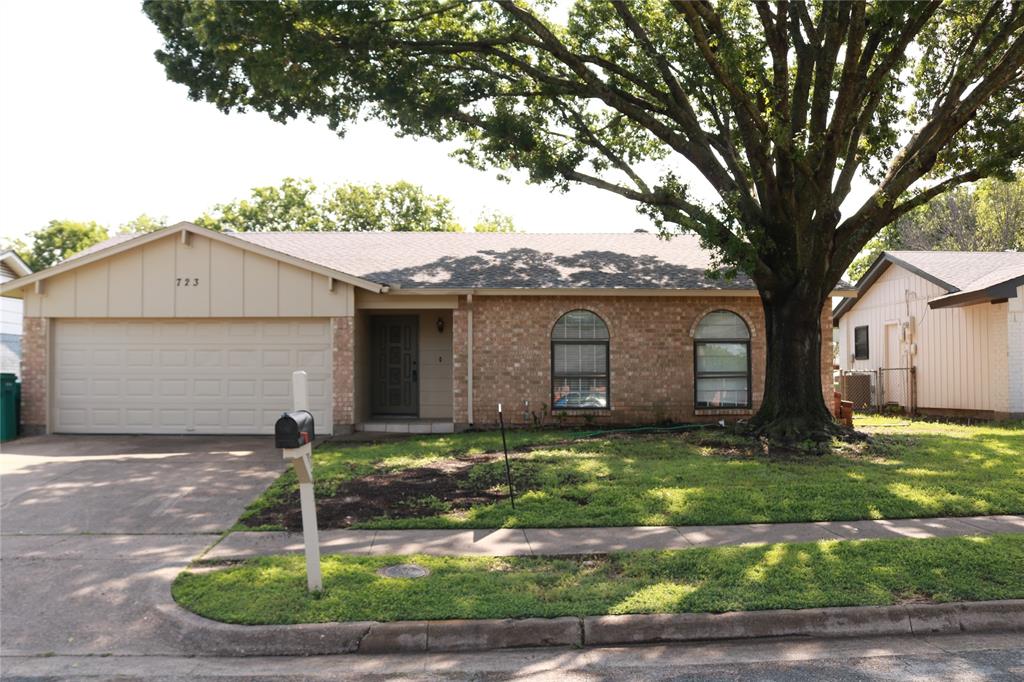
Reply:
x=947 y=657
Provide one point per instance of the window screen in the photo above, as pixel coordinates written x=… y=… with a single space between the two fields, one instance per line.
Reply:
x=579 y=362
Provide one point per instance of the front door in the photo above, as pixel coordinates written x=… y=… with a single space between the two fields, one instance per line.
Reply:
x=396 y=386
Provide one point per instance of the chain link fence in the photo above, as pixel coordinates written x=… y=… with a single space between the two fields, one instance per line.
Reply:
x=891 y=390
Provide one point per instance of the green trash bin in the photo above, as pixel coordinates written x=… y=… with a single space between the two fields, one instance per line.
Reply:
x=10 y=406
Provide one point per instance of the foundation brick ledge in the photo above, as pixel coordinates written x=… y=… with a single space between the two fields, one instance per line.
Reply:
x=207 y=637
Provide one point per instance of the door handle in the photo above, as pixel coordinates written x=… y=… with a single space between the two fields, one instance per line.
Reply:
x=415 y=376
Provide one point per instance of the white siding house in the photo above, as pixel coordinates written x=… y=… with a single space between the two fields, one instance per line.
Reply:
x=956 y=317
x=11 y=267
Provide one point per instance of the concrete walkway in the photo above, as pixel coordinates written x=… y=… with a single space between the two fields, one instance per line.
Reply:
x=562 y=541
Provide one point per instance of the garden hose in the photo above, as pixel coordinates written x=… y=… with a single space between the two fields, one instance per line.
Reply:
x=650 y=429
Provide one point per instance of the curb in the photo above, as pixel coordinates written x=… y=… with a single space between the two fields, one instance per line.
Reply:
x=212 y=638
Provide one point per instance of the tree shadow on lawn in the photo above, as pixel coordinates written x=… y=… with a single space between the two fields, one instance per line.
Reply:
x=667 y=481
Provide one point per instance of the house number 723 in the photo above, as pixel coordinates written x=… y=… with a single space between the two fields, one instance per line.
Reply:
x=187 y=281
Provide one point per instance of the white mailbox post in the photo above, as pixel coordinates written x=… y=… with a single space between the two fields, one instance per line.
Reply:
x=301 y=459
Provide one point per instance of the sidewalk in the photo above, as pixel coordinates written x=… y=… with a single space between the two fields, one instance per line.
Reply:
x=563 y=541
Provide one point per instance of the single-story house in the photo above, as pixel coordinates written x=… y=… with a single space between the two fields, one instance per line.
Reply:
x=11 y=267
x=187 y=330
x=956 y=317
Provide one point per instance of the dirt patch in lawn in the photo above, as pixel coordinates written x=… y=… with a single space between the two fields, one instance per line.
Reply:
x=405 y=493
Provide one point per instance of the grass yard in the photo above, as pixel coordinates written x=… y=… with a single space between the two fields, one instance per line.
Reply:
x=910 y=469
x=828 y=573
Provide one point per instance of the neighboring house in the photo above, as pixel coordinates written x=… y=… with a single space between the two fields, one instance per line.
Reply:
x=11 y=267
x=191 y=331
x=956 y=317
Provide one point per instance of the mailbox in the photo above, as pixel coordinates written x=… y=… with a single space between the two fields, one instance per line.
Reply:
x=294 y=429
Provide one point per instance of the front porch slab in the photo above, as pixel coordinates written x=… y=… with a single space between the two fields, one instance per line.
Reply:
x=414 y=426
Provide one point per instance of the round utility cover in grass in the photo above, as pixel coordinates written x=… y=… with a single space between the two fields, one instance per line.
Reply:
x=403 y=571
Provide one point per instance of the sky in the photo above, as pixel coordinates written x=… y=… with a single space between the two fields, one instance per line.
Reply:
x=90 y=129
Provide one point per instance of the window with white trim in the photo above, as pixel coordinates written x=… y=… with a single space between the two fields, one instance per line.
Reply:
x=722 y=361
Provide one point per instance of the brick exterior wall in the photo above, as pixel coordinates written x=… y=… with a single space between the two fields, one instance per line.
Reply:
x=828 y=388
x=460 y=359
x=35 y=362
x=650 y=349
x=343 y=376
x=651 y=360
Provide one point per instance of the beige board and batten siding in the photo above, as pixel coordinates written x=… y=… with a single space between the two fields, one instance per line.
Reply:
x=436 y=365
x=222 y=281
x=961 y=352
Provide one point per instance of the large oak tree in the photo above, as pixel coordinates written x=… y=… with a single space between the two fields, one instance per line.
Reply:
x=780 y=106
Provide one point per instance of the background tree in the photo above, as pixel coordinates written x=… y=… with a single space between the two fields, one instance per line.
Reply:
x=494 y=222
x=780 y=106
x=143 y=224
x=1000 y=213
x=58 y=240
x=398 y=207
x=293 y=205
x=298 y=205
x=988 y=218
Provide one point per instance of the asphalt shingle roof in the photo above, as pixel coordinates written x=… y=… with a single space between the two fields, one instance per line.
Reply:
x=966 y=270
x=506 y=261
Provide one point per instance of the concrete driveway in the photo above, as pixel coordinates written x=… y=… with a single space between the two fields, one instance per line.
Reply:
x=95 y=527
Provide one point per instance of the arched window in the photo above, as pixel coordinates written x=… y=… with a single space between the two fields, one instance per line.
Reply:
x=579 y=362
x=722 y=361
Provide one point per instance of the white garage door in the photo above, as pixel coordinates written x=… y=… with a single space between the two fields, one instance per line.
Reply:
x=186 y=376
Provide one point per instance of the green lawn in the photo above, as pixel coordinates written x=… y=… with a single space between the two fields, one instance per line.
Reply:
x=804 y=575
x=699 y=477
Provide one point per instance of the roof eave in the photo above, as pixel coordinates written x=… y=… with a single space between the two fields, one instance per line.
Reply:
x=15 y=262
x=995 y=293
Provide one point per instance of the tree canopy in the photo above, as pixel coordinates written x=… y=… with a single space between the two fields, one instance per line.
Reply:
x=778 y=107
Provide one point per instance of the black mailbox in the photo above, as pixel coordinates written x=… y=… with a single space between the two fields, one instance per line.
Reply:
x=294 y=429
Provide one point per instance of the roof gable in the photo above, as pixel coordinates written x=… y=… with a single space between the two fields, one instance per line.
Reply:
x=122 y=243
x=965 y=276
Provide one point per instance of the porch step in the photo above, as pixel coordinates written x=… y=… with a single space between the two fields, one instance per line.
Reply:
x=406 y=426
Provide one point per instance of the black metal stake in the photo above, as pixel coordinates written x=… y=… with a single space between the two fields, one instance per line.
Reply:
x=508 y=469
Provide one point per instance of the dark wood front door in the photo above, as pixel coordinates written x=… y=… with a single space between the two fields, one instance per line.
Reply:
x=396 y=386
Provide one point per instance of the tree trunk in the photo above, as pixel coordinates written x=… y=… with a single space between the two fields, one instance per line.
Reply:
x=793 y=409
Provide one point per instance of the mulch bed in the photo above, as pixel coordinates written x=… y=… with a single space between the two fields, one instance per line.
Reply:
x=405 y=493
